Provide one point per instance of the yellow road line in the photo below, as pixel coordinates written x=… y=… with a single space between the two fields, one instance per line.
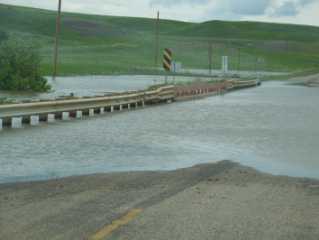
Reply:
x=109 y=229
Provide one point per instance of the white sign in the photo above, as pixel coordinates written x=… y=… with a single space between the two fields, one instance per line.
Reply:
x=224 y=64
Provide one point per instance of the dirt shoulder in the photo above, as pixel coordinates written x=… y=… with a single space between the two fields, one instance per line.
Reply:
x=212 y=201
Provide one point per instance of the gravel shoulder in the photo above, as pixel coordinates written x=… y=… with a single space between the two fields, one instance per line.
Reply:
x=211 y=201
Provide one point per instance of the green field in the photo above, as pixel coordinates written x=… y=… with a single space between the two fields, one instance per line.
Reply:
x=109 y=45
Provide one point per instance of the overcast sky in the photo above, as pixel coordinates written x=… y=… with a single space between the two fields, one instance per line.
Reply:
x=290 y=11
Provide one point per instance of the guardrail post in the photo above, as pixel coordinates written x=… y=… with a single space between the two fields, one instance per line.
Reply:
x=121 y=107
x=129 y=106
x=91 y=112
x=65 y=116
x=102 y=110
x=112 y=109
x=51 y=118
x=34 y=120
x=136 y=105
x=143 y=104
x=16 y=122
x=78 y=114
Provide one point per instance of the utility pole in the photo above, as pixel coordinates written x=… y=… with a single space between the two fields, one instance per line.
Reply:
x=210 y=56
x=256 y=65
x=239 y=59
x=157 y=39
x=57 y=33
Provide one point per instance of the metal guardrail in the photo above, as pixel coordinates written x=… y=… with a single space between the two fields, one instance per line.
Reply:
x=159 y=94
x=33 y=113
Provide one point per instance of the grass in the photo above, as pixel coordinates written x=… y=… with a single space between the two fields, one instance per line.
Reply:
x=93 y=44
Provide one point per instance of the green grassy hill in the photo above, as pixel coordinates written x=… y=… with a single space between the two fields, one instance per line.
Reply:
x=253 y=31
x=104 y=44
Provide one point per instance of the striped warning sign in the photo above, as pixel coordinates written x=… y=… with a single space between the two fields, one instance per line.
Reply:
x=167 y=61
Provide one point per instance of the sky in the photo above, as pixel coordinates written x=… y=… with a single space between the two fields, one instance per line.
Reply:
x=286 y=11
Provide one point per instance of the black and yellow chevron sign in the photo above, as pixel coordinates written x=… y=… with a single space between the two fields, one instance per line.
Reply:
x=167 y=60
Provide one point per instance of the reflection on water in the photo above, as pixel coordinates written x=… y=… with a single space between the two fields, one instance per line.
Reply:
x=273 y=128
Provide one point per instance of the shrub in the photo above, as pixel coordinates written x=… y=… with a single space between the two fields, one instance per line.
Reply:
x=19 y=67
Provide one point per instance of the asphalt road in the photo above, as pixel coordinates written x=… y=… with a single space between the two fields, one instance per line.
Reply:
x=213 y=201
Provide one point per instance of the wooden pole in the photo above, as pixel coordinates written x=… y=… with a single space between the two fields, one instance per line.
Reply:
x=239 y=59
x=210 y=55
x=57 y=33
x=157 y=39
x=256 y=65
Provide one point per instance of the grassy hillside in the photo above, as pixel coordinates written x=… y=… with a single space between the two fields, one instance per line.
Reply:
x=253 y=31
x=105 y=44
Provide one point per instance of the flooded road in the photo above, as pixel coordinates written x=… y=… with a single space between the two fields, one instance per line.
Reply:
x=273 y=128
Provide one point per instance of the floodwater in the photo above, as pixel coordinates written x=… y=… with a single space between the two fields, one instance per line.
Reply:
x=273 y=128
x=94 y=86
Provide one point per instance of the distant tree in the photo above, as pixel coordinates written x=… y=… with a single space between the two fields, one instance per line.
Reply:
x=20 y=67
